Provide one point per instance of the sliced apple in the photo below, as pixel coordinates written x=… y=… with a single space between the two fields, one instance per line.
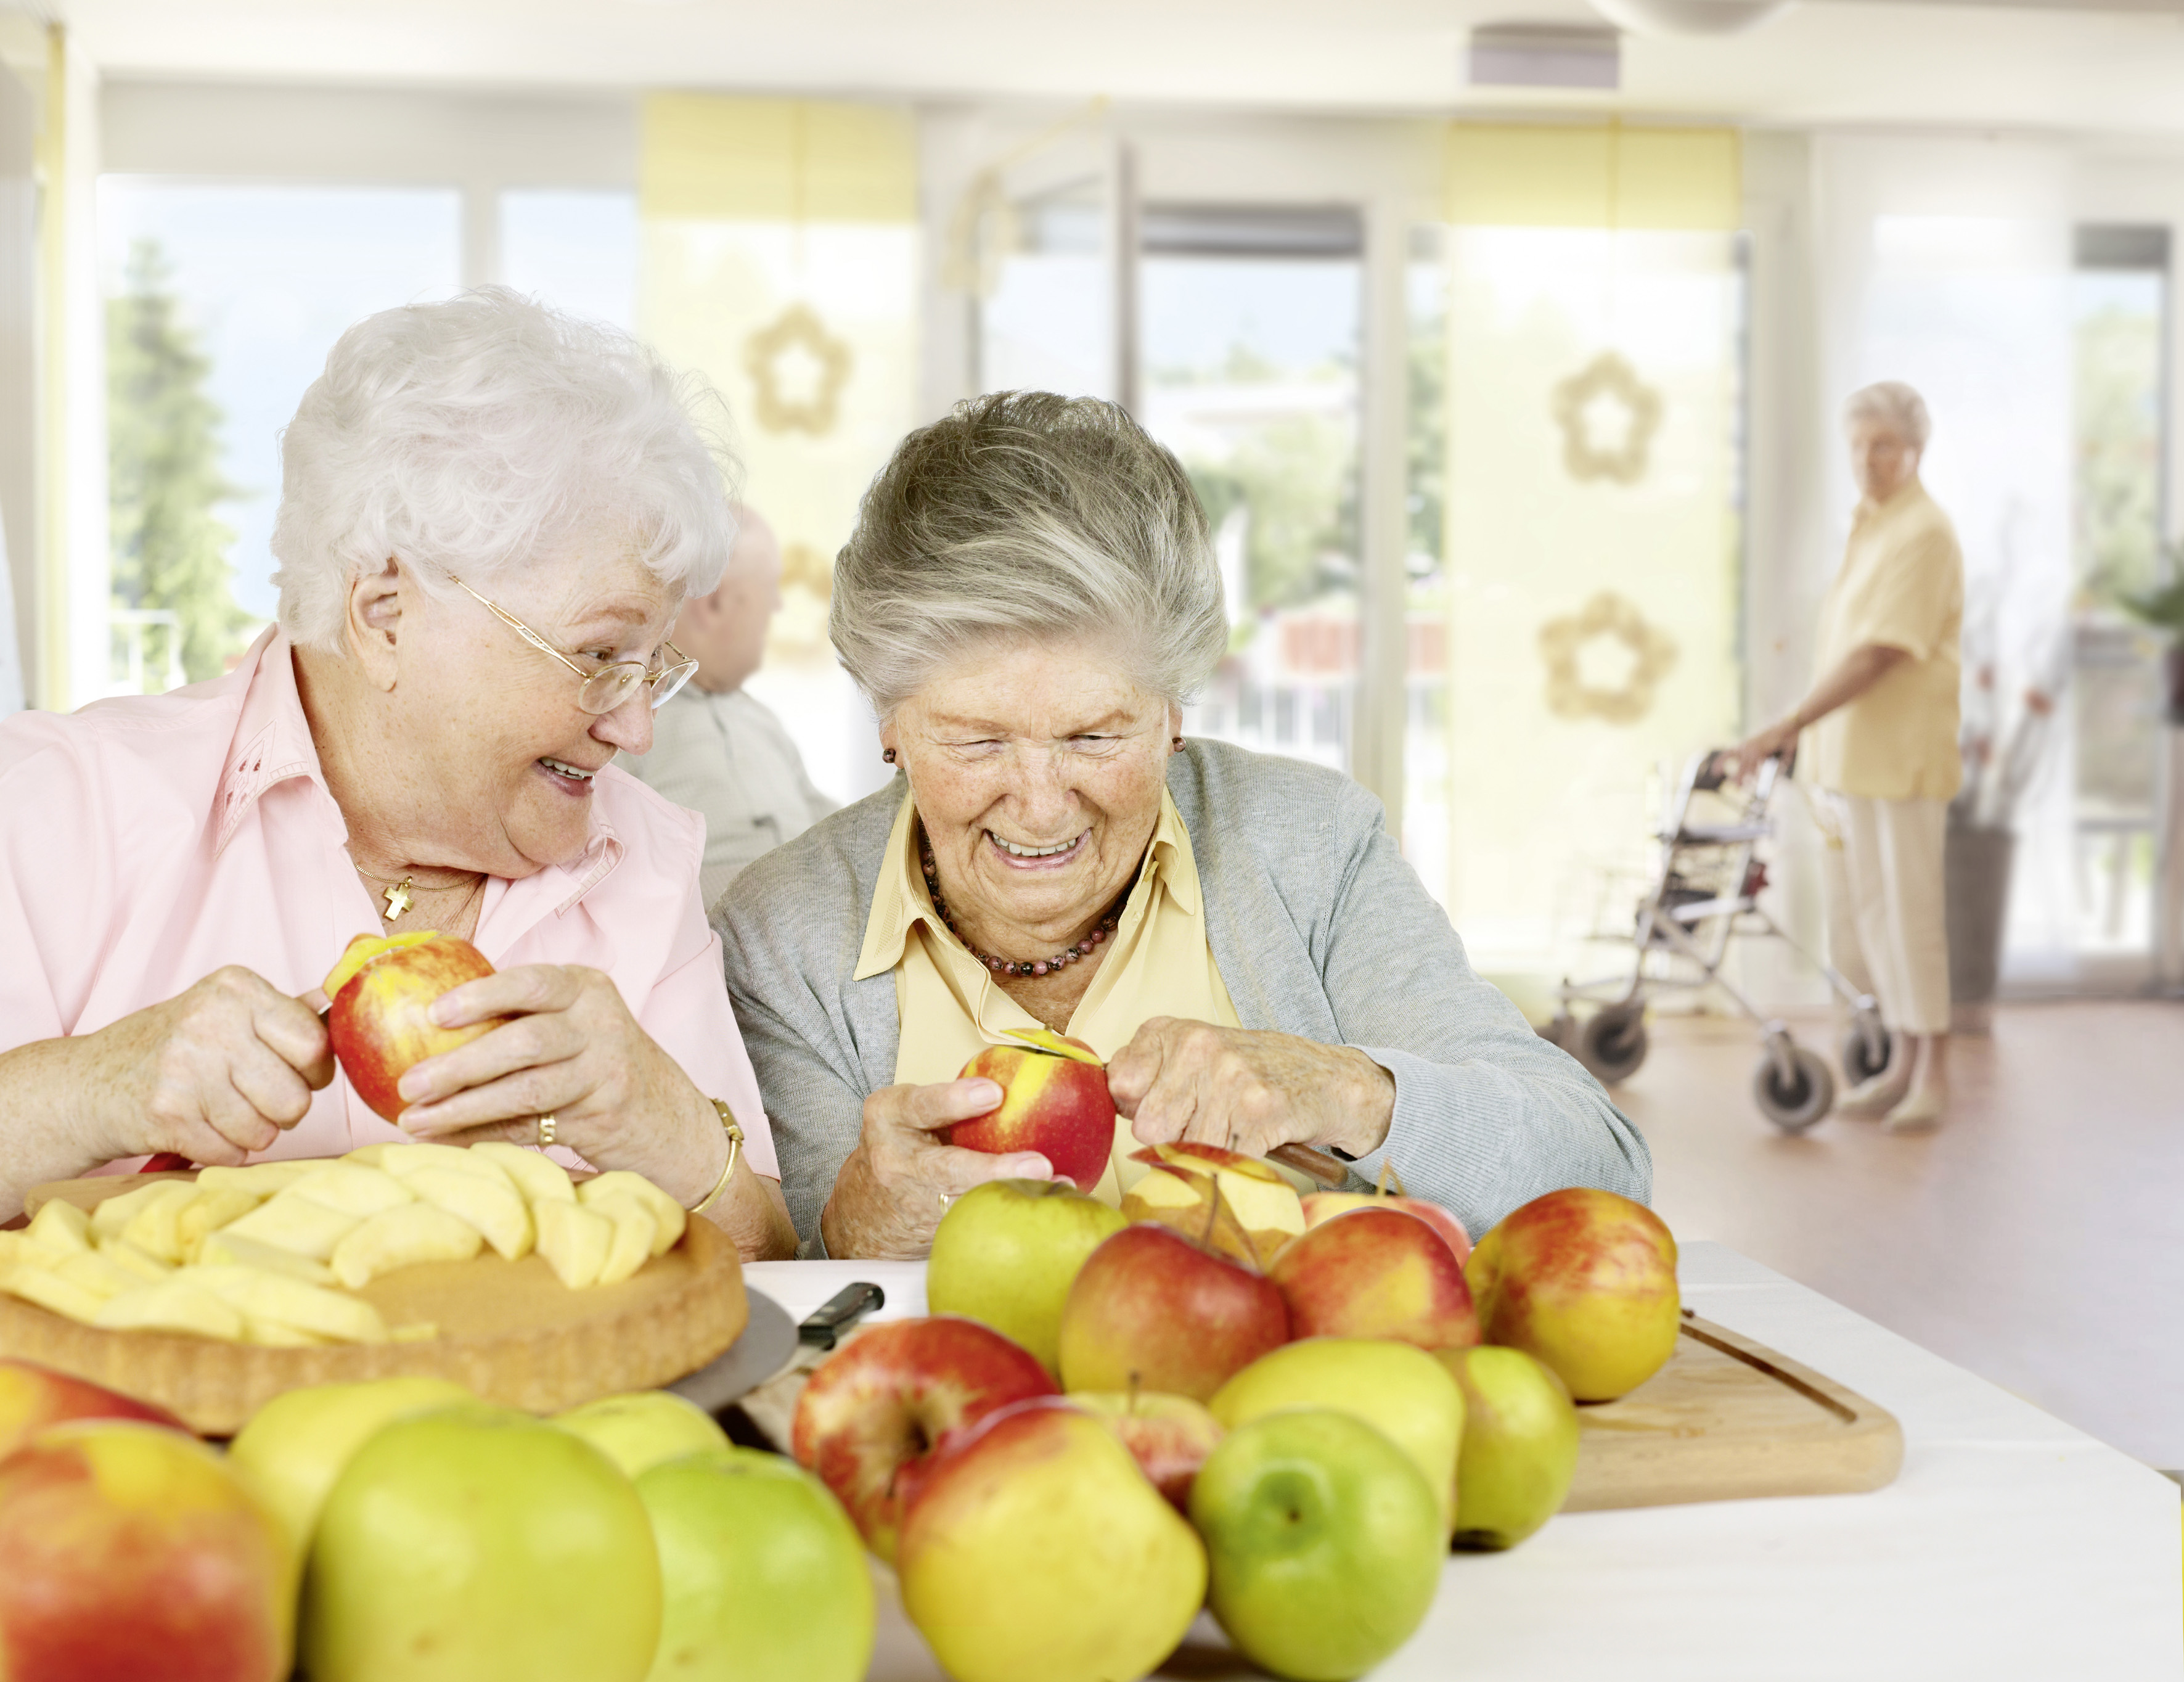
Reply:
x=272 y=1334
x=634 y=1232
x=668 y=1216
x=206 y=1213
x=229 y=1248
x=353 y=1189
x=537 y=1175
x=35 y=1283
x=493 y=1206
x=290 y=1302
x=60 y=1229
x=98 y=1274
x=156 y=1228
x=1060 y=1044
x=295 y=1223
x=175 y=1304
x=403 y=1237
x=265 y=1178
x=147 y=1266
x=575 y=1241
x=115 y=1213
x=402 y=1161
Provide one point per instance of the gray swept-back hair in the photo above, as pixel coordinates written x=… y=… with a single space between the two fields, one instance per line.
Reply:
x=467 y=435
x=1893 y=404
x=1028 y=518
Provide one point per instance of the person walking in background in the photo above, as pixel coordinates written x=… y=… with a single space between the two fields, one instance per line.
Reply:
x=1883 y=718
x=716 y=749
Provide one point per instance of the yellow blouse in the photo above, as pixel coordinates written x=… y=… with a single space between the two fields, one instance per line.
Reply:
x=948 y=1006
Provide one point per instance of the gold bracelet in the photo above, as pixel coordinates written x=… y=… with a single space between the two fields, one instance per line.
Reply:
x=735 y=1132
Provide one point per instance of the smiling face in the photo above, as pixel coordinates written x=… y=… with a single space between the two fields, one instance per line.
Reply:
x=1881 y=459
x=485 y=759
x=1038 y=773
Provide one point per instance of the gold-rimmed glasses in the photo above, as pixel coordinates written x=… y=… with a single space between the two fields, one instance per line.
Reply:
x=610 y=686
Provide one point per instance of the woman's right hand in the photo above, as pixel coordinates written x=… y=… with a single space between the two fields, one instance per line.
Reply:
x=900 y=1180
x=212 y=1073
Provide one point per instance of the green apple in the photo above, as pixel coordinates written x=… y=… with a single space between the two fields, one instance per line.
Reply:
x=1396 y=1388
x=294 y=1448
x=1005 y=1253
x=1033 y=1549
x=640 y=1430
x=481 y=1545
x=763 y=1574
x=1519 y=1445
x=1324 y=1543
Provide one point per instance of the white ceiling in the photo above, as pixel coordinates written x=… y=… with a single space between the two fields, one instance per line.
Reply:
x=2109 y=67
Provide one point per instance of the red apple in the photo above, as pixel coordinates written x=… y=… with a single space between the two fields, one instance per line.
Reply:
x=1377 y=1273
x=1150 y=1310
x=1583 y=1282
x=129 y=1551
x=380 y=990
x=1234 y=1204
x=1054 y=1102
x=32 y=1398
x=1034 y=1551
x=884 y=1400
x=1320 y=1206
x=1168 y=1436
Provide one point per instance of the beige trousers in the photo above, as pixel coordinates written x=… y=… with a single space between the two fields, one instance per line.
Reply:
x=1887 y=928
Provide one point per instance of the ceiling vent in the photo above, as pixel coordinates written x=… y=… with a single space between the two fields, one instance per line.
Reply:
x=1545 y=55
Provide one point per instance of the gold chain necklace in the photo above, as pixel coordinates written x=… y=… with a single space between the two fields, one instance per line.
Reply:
x=399 y=895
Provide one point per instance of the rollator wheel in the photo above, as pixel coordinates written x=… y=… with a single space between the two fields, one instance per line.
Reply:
x=1800 y=1102
x=1859 y=1058
x=1612 y=1044
x=1561 y=1031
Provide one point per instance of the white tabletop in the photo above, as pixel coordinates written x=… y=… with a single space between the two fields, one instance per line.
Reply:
x=2011 y=1545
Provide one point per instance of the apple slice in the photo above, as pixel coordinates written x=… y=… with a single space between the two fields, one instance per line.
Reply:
x=403 y=1237
x=575 y=1241
x=537 y=1175
x=147 y=1266
x=175 y=1304
x=36 y=1283
x=634 y=1231
x=228 y=1249
x=60 y=1229
x=100 y=1275
x=294 y=1222
x=493 y=1206
x=156 y=1226
x=402 y=1161
x=206 y=1213
x=114 y=1214
x=353 y=1189
x=268 y=1296
x=1191 y=1184
x=266 y=1179
x=670 y=1216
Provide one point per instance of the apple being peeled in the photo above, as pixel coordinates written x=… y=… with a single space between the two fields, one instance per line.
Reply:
x=1319 y=1206
x=1584 y=1281
x=129 y=1551
x=1233 y=1204
x=1520 y=1445
x=1153 y=1310
x=1168 y=1436
x=1006 y=1253
x=880 y=1403
x=1054 y=1101
x=1325 y=1542
x=763 y=1574
x=1376 y=1273
x=33 y=1397
x=379 y=992
x=1034 y=1551
x=478 y=1544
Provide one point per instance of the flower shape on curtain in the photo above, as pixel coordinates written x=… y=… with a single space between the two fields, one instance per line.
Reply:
x=1653 y=658
x=1606 y=379
x=797 y=330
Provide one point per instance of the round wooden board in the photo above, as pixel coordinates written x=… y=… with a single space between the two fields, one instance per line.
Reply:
x=509 y=1331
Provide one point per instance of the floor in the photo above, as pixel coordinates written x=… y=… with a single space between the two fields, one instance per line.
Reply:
x=2037 y=1238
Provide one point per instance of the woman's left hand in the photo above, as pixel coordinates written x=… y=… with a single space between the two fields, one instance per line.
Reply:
x=1248 y=1089
x=575 y=1052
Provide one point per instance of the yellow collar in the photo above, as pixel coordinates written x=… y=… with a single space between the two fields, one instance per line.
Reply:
x=900 y=902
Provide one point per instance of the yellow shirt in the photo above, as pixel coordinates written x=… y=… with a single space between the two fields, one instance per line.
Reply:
x=950 y=1007
x=1902 y=586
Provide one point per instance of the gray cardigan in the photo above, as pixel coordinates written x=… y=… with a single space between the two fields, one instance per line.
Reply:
x=1320 y=928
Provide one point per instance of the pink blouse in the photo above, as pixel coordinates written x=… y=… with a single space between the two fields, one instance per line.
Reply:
x=146 y=842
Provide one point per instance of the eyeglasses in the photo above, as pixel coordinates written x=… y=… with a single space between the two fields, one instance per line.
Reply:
x=610 y=686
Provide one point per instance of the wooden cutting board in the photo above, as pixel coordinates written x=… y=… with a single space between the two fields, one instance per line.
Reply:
x=1728 y=1419
x=509 y=1330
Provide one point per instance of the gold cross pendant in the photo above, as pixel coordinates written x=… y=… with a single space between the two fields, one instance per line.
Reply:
x=398 y=899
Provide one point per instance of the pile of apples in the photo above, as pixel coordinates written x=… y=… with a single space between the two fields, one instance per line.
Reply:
x=1282 y=1409
x=405 y=1529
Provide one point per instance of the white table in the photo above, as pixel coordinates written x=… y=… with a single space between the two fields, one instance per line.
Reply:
x=2011 y=1545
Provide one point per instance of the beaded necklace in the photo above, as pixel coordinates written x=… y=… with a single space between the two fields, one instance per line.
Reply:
x=1004 y=966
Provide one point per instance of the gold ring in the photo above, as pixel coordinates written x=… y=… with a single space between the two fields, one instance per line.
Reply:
x=944 y=1201
x=545 y=1131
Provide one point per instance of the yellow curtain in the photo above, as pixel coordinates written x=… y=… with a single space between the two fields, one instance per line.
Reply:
x=1591 y=544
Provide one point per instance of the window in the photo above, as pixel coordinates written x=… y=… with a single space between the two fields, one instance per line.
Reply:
x=1251 y=323
x=222 y=301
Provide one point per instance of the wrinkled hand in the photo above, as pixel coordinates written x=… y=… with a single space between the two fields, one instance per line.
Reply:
x=1249 y=1090
x=1743 y=761
x=213 y=1073
x=889 y=1195
x=575 y=1052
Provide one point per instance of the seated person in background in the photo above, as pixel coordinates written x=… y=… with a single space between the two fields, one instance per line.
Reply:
x=717 y=751
x=1028 y=595
x=489 y=515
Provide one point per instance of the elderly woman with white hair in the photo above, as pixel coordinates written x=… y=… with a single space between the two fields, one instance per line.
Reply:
x=490 y=515
x=1028 y=596
x=1883 y=718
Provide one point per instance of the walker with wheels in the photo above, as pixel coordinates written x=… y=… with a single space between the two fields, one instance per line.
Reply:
x=1704 y=893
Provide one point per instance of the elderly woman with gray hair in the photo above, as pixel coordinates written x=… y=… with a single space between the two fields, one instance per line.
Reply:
x=1028 y=596
x=489 y=517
